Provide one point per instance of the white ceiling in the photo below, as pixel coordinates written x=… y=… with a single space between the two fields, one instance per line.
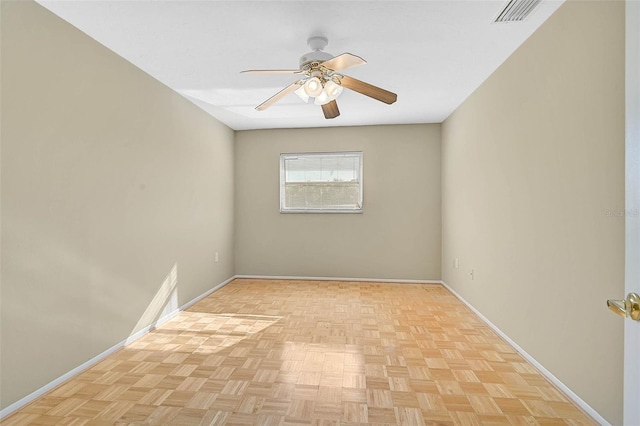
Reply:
x=433 y=54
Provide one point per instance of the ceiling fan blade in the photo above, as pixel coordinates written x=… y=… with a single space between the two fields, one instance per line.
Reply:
x=344 y=61
x=275 y=98
x=368 y=90
x=330 y=110
x=271 y=72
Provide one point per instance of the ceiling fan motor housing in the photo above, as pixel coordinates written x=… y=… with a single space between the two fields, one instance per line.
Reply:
x=317 y=56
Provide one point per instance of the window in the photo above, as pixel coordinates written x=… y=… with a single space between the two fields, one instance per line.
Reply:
x=321 y=182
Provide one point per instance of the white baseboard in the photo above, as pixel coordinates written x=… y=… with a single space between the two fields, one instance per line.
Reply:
x=86 y=365
x=374 y=280
x=553 y=379
x=205 y=294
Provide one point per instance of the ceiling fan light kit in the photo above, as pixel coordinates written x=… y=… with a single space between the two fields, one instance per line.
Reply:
x=321 y=80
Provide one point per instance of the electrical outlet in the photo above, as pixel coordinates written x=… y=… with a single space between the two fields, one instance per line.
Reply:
x=456 y=263
x=471 y=273
x=216 y=257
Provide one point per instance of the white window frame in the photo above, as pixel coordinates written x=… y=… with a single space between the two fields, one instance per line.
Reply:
x=285 y=156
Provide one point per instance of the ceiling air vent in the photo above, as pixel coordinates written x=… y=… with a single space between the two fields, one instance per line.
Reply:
x=517 y=10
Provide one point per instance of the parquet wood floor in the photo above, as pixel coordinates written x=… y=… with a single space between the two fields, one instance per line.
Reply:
x=261 y=352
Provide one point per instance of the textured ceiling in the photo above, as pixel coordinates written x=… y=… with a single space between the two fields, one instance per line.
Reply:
x=433 y=54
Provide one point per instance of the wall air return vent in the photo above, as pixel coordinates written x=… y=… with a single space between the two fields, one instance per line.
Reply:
x=517 y=10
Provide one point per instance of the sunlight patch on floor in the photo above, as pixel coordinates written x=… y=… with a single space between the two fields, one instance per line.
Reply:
x=209 y=333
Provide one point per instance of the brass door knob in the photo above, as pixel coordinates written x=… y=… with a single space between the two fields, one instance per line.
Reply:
x=629 y=307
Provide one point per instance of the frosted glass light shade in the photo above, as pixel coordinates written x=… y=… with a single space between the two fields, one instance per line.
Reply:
x=322 y=98
x=333 y=90
x=302 y=94
x=313 y=87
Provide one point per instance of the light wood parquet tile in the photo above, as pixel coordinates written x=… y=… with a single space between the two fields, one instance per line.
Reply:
x=275 y=352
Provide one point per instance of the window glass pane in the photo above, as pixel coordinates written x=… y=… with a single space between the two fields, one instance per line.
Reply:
x=321 y=182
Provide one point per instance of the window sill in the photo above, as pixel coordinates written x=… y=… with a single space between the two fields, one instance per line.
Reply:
x=323 y=211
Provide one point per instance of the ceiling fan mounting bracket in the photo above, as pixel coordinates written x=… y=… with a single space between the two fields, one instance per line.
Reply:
x=317 y=43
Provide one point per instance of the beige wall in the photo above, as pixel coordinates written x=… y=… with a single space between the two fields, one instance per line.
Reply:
x=397 y=236
x=532 y=163
x=109 y=179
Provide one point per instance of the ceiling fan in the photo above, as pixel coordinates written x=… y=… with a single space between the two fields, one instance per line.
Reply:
x=320 y=79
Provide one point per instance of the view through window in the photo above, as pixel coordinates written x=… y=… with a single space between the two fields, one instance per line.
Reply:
x=321 y=182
